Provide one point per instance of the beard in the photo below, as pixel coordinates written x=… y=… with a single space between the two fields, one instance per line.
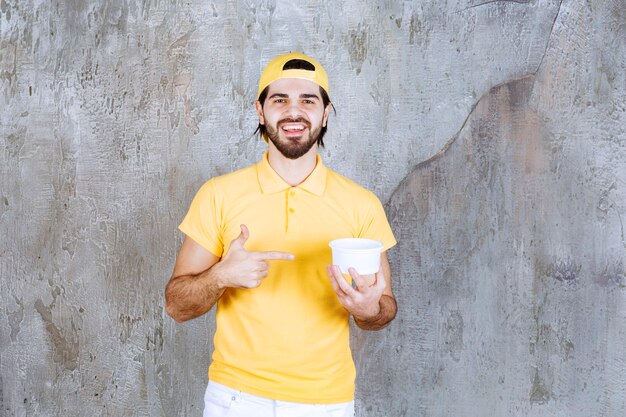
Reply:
x=296 y=147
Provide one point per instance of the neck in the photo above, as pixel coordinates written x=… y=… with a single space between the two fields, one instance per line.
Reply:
x=292 y=171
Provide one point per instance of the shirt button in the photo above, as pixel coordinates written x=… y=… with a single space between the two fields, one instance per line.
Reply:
x=291 y=210
x=292 y=193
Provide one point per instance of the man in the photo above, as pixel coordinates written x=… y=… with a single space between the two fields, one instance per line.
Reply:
x=257 y=245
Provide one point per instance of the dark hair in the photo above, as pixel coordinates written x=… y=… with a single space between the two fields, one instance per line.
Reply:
x=297 y=64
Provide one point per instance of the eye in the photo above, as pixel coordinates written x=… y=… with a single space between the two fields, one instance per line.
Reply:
x=280 y=100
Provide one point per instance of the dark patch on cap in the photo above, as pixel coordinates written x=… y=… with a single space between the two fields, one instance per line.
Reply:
x=298 y=64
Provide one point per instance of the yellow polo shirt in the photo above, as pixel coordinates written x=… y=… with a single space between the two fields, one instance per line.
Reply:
x=288 y=339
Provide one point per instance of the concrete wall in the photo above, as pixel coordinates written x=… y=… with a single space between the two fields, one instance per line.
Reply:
x=494 y=131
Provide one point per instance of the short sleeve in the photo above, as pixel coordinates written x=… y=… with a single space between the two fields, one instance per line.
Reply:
x=203 y=220
x=375 y=225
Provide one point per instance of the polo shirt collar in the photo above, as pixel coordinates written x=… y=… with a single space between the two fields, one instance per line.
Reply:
x=271 y=182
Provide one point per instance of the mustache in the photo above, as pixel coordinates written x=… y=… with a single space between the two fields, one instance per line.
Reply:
x=294 y=120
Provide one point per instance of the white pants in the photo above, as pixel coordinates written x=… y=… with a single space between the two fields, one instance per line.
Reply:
x=222 y=401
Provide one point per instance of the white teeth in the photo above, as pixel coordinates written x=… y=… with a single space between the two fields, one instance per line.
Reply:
x=293 y=128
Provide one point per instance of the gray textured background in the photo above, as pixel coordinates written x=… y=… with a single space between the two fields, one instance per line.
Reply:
x=494 y=132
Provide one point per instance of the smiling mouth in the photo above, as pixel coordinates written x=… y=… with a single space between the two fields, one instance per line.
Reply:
x=293 y=128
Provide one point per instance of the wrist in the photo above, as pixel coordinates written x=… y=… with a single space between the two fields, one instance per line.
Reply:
x=219 y=278
x=370 y=316
x=386 y=313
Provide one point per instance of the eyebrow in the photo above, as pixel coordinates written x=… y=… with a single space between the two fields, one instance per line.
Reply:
x=283 y=95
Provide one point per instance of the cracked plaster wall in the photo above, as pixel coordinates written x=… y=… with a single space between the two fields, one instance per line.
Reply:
x=492 y=130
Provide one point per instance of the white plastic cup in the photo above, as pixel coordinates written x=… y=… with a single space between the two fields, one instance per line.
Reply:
x=360 y=254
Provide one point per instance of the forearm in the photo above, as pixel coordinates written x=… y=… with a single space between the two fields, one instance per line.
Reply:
x=388 y=310
x=190 y=296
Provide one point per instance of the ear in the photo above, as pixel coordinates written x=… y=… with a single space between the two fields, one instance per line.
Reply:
x=326 y=114
x=259 y=110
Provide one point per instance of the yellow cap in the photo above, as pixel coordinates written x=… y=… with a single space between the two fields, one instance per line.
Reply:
x=274 y=71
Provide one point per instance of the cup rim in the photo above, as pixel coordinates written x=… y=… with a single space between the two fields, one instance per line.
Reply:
x=376 y=245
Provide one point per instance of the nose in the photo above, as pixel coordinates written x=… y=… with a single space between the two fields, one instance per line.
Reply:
x=294 y=110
